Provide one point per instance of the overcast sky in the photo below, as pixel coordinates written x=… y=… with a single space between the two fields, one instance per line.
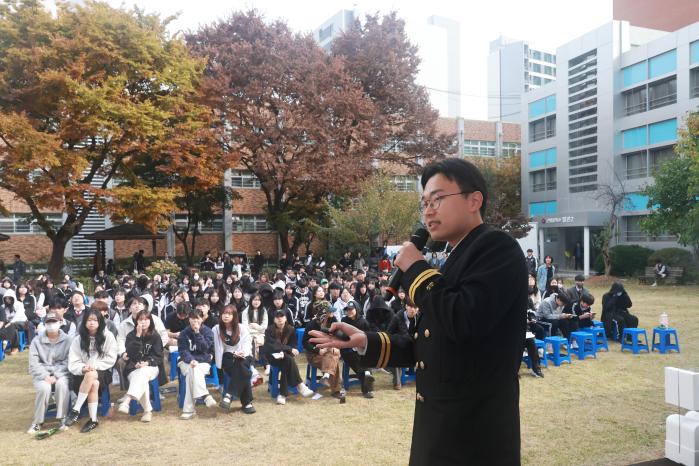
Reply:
x=544 y=23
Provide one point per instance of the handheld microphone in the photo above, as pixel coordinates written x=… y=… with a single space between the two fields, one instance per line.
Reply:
x=419 y=239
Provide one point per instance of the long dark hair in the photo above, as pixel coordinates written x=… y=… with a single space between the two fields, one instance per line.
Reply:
x=251 y=311
x=235 y=327
x=284 y=333
x=85 y=335
x=151 y=327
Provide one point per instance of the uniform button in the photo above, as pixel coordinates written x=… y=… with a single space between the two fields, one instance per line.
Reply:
x=422 y=364
x=415 y=336
x=427 y=333
x=419 y=397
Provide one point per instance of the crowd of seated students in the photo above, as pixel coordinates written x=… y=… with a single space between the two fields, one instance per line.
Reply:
x=230 y=323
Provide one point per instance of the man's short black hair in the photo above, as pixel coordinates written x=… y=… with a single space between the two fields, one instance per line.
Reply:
x=202 y=302
x=563 y=297
x=183 y=308
x=57 y=303
x=530 y=250
x=196 y=314
x=465 y=174
x=587 y=299
x=101 y=294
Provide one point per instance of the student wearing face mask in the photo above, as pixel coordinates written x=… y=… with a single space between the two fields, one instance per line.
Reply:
x=145 y=350
x=58 y=307
x=48 y=366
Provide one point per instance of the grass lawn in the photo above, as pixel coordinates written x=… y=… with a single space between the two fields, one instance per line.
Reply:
x=604 y=411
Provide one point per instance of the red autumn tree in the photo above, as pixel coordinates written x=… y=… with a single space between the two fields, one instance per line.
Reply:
x=293 y=113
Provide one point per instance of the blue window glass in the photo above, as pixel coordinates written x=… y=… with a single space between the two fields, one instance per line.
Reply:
x=542 y=208
x=694 y=52
x=662 y=131
x=635 y=73
x=634 y=137
x=551 y=103
x=662 y=64
x=635 y=202
x=542 y=158
x=536 y=108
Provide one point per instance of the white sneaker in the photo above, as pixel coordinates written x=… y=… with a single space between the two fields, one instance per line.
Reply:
x=187 y=416
x=209 y=401
x=304 y=390
x=281 y=400
x=123 y=407
x=267 y=369
x=147 y=417
x=34 y=429
x=122 y=399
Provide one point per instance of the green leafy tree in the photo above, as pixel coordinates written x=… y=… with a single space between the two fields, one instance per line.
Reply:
x=86 y=96
x=674 y=197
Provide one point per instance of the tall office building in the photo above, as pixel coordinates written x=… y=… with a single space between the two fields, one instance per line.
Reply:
x=513 y=69
x=333 y=27
x=610 y=120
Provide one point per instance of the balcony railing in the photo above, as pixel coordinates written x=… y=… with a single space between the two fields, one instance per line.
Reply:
x=662 y=101
x=634 y=109
x=633 y=173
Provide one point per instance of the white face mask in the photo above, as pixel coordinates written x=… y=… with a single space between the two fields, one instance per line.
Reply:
x=53 y=327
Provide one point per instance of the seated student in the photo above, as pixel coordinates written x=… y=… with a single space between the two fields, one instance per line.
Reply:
x=576 y=291
x=615 y=308
x=202 y=305
x=279 y=304
x=551 y=289
x=91 y=359
x=534 y=293
x=327 y=360
x=660 y=270
x=350 y=356
x=58 y=307
x=103 y=308
x=77 y=308
x=403 y=323
x=583 y=310
x=551 y=311
x=177 y=321
x=280 y=350
x=233 y=355
x=292 y=302
x=8 y=331
x=196 y=346
x=398 y=303
x=533 y=353
x=144 y=348
x=117 y=309
x=255 y=319
x=48 y=366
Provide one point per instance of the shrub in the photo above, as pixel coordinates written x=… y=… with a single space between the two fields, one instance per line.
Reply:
x=627 y=260
x=162 y=267
x=677 y=257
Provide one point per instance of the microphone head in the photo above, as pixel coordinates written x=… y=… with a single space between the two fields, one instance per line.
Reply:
x=420 y=237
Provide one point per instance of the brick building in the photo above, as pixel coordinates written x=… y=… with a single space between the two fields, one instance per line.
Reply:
x=243 y=227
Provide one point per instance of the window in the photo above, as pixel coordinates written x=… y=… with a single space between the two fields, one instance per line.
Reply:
x=694 y=52
x=473 y=147
x=635 y=202
x=583 y=188
x=663 y=92
x=214 y=226
x=250 y=224
x=582 y=161
x=662 y=131
x=634 y=137
x=583 y=179
x=548 y=69
x=632 y=228
x=324 y=33
x=662 y=64
x=542 y=106
x=536 y=67
x=543 y=180
x=548 y=58
x=405 y=183
x=536 y=55
x=694 y=82
x=583 y=105
x=635 y=100
x=583 y=170
x=22 y=223
x=550 y=126
x=582 y=124
x=583 y=142
x=542 y=158
x=582 y=133
x=511 y=148
x=244 y=179
x=542 y=208
x=636 y=165
x=550 y=235
x=537 y=130
x=582 y=58
x=635 y=73
x=659 y=156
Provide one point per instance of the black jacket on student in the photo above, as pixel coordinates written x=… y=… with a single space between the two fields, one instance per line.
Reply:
x=146 y=348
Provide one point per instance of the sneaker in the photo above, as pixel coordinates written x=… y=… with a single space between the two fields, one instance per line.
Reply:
x=89 y=425
x=267 y=369
x=122 y=399
x=186 y=416
x=147 y=417
x=34 y=429
x=537 y=373
x=369 y=382
x=397 y=386
x=249 y=409
x=225 y=402
x=209 y=401
x=71 y=418
x=281 y=400
x=368 y=394
x=124 y=407
x=62 y=427
x=339 y=394
x=304 y=390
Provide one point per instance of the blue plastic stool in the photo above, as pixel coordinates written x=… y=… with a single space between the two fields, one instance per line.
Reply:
x=104 y=403
x=312 y=377
x=556 y=344
x=664 y=344
x=273 y=382
x=407 y=374
x=211 y=379
x=135 y=407
x=173 y=364
x=598 y=323
x=22 y=339
x=586 y=344
x=2 y=350
x=600 y=337
x=346 y=380
x=635 y=346
x=299 y=339
x=543 y=361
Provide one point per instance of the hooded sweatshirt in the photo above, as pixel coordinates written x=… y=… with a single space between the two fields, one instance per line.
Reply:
x=14 y=311
x=47 y=358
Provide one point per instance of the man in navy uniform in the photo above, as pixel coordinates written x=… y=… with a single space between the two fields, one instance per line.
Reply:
x=468 y=344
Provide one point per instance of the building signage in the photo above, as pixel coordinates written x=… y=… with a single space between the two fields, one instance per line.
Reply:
x=569 y=219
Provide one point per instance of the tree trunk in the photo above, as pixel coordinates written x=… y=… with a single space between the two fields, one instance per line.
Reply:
x=183 y=240
x=190 y=258
x=284 y=240
x=58 y=249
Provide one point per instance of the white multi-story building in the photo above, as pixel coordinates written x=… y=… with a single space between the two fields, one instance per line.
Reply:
x=609 y=120
x=333 y=27
x=513 y=69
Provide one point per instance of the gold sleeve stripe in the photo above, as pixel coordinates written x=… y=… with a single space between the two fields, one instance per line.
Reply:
x=420 y=280
x=382 y=337
x=388 y=350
